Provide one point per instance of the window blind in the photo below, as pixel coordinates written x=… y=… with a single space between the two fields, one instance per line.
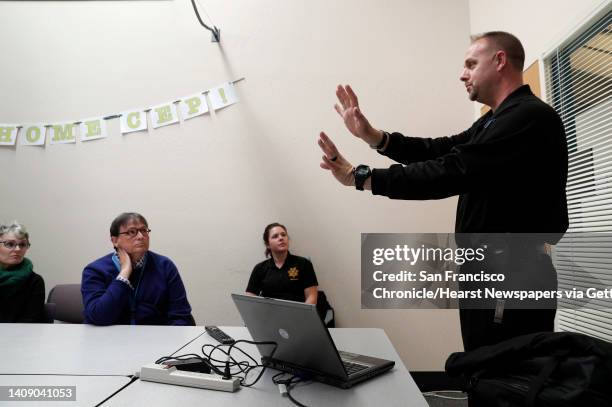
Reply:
x=578 y=78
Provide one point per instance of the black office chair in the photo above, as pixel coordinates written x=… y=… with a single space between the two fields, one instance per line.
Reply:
x=47 y=317
x=325 y=310
x=65 y=303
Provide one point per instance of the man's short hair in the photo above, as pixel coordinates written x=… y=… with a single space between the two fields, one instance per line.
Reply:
x=123 y=220
x=506 y=42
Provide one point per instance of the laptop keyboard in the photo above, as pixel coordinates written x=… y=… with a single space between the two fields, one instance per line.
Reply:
x=352 y=368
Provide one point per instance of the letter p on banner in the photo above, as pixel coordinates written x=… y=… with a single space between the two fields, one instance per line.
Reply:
x=192 y=106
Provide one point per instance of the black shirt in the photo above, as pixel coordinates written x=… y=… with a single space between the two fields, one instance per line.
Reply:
x=27 y=304
x=286 y=283
x=509 y=168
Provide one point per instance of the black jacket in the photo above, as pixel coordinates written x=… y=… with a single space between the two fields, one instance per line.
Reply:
x=509 y=169
x=27 y=305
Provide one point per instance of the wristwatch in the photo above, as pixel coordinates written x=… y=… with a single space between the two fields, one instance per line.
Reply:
x=361 y=174
x=383 y=141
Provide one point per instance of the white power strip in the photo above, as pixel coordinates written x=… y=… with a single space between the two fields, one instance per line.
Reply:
x=170 y=375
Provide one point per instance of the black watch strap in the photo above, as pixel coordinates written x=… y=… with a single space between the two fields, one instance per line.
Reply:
x=383 y=141
x=361 y=173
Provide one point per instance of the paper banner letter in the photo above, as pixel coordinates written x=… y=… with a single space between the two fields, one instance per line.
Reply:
x=135 y=120
x=33 y=135
x=164 y=115
x=62 y=133
x=223 y=96
x=92 y=129
x=192 y=106
x=8 y=134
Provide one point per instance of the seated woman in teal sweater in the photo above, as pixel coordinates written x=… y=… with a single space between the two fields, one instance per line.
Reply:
x=22 y=291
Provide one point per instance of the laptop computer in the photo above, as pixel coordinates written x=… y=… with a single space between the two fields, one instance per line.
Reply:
x=305 y=347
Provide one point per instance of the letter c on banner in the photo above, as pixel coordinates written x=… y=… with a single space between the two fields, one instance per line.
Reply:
x=133 y=120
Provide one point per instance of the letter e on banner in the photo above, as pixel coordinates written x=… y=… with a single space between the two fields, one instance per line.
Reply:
x=163 y=115
x=92 y=129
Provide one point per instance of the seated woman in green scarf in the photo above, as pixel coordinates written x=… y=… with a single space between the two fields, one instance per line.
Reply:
x=22 y=291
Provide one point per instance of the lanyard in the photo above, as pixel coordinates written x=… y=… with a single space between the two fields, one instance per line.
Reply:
x=133 y=298
x=134 y=293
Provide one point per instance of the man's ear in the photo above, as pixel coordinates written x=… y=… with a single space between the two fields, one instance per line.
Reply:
x=501 y=60
x=114 y=241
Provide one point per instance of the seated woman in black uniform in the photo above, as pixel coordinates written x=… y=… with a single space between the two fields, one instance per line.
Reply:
x=22 y=291
x=283 y=275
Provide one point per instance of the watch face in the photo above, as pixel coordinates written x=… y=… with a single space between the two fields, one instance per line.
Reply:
x=362 y=170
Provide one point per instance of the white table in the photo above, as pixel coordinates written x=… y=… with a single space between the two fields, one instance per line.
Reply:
x=394 y=388
x=87 y=349
x=35 y=354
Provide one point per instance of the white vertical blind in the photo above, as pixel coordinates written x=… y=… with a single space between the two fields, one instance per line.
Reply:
x=579 y=86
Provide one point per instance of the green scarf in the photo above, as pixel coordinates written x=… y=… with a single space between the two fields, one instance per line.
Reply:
x=12 y=279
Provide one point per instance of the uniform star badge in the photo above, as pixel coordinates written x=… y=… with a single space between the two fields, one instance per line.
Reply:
x=293 y=273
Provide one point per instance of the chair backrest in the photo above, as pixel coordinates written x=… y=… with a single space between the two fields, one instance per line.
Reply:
x=326 y=311
x=48 y=313
x=66 y=303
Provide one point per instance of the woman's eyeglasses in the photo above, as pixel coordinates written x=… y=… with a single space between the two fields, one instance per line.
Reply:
x=11 y=245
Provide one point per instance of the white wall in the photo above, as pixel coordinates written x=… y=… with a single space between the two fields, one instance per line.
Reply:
x=208 y=186
x=539 y=25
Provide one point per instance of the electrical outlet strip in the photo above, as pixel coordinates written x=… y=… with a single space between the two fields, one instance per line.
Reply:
x=170 y=375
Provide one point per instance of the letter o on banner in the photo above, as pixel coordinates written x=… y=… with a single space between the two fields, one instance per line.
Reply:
x=33 y=135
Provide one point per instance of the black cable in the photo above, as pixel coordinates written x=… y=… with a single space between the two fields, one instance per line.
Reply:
x=134 y=378
x=288 y=384
x=243 y=367
x=261 y=372
x=231 y=367
x=218 y=348
x=240 y=367
x=189 y=356
x=297 y=403
x=215 y=31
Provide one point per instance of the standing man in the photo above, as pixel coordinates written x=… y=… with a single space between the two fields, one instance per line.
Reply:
x=133 y=285
x=509 y=169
